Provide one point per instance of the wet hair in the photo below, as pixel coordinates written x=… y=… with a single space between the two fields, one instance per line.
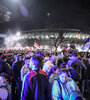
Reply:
x=63 y=70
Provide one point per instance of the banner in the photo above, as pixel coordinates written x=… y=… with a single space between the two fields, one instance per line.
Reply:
x=36 y=45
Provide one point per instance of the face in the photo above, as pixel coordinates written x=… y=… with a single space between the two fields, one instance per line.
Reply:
x=5 y=60
x=48 y=69
x=53 y=58
x=27 y=61
x=31 y=64
x=57 y=70
x=20 y=58
x=63 y=77
x=2 y=80
x=67 y=67
x=31 y=54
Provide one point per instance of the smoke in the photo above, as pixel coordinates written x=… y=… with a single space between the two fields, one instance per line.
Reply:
x=12 y=42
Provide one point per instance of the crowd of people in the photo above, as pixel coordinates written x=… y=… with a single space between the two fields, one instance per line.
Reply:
x=44 y=75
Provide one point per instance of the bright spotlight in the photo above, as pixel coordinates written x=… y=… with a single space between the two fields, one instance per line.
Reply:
x=18 y=33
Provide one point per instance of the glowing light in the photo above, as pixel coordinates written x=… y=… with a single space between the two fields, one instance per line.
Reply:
x=42 y=36
x=18 y=33
x=68 y=44
x=47 y=37
x=48 y=14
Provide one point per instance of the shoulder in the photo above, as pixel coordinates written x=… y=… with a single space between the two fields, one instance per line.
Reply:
x=56 y=83
x=69 y=79
x=24 y=66
x=56 y=86
x=43 y=73
x=29 y=76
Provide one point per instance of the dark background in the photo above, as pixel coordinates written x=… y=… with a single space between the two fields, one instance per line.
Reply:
x=46 y=14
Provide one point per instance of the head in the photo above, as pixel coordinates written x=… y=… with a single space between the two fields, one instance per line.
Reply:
x=4 y=58
x=52 y=58
x=27 y=60
x=19 y=57
x=63 y=75
x=56 y=71
x=32 y=53
x=3 y=78
x=39 y=53
x=35 y=62
x=75 y=54
x=67 y=67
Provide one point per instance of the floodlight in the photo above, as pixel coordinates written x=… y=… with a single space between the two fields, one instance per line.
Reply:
x=18 y=33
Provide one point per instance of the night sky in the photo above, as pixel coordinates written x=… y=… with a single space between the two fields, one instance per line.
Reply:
x=46 y=14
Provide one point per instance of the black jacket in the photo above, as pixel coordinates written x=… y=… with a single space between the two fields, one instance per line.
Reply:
x=5 y=68
x=35 y=86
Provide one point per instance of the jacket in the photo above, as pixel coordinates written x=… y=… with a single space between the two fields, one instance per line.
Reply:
x=35 y=86
x=62 y=91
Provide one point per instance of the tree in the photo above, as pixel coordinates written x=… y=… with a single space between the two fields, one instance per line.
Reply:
x=57 y=39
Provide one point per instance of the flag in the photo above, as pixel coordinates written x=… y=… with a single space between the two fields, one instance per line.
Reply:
x=87 y=44
x=36 y=45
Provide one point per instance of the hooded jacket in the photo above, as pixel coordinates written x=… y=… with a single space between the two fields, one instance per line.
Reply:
x=63 y=91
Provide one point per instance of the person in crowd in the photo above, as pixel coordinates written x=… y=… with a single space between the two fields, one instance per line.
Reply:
x=13 y=60
x=59 y=62
x=64 y=87
x=78 y=66
x=86 y=84
x=54 y=76
x=32 y=53
x=88 y=57
x=39 y=53
x=48 y=65
x=16 y=68
x=4 y=66
x=35 y=84
x=74 y=60
x=46 y=58
x=5 y=88
x=72 y=73
x=25 y=69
